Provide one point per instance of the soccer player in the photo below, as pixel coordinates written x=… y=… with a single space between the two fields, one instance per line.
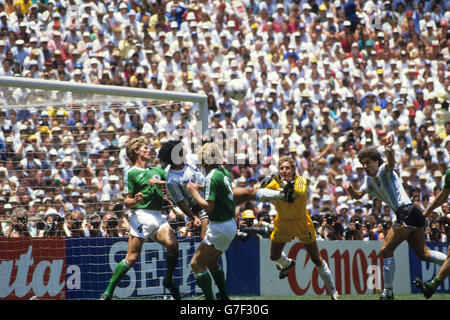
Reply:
x=180 y=173
x=219 y=205
x=143 y=194
x=178 y=176
x=428 y=288
x=293 y=220
x=383 y=183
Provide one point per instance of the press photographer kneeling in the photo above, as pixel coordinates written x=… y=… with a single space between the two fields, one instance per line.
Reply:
x=249 y=227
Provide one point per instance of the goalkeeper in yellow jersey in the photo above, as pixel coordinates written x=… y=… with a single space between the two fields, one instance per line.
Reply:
x=292 y=220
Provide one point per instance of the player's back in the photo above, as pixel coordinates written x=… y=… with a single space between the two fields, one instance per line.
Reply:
x=296 y=209
x=177 y=181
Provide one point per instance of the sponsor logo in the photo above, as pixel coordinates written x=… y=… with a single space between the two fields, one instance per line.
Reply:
x=354 y=272
x=32 y=268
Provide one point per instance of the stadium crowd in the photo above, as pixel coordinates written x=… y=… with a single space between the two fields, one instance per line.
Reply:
x=331 y=77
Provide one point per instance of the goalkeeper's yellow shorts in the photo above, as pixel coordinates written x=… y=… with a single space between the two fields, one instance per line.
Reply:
x=285 y=230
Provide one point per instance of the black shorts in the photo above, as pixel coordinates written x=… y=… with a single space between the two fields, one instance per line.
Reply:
x=410 y=216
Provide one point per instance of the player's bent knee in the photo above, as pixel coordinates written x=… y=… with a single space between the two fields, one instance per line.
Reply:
x=386 y=252
x=422 y=256
x=196 y=267
x=131 y=259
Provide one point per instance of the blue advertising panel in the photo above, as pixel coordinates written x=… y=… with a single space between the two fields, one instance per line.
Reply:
x=91 y=261
x=243 y=272
x=427 y=270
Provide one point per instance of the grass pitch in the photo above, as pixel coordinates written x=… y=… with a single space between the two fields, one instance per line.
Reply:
x=399 y=296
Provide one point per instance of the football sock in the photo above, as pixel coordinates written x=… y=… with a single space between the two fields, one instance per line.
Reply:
x=171 y=259
x=435 y=282
x=263 y=195
x=437 y=257
x=388 y=272
x=219 y=279
x=204 y=281
x=284 y=261
x=325 y=274
x=120 y=270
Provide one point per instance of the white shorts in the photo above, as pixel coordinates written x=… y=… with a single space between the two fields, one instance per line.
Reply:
x=220 y=234
x=146 y=223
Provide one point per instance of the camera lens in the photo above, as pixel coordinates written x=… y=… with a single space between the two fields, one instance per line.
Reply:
x=77 y=224
x=112 y=223
x=22 y=219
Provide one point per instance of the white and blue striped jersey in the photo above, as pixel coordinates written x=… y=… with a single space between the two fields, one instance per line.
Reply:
x=178 y=179
x=386 y=186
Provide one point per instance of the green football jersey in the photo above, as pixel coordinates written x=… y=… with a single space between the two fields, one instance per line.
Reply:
x=218 y=189
x=136 y=180
x=447 y=179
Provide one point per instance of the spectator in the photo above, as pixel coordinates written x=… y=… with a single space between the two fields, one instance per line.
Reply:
x=19 y=224
x=93 y=224
x=74 y=224
x=53 y=224
x=110 y=225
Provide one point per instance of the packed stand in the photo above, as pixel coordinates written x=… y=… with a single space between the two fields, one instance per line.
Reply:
x=330 y=78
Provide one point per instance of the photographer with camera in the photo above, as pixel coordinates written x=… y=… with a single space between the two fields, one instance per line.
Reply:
x=245 y=224
x=248 y=227
x=110 y=225
x=92 y=228
x=369 y=230
x=118 y=208
x=19 y=224
x=52 y=224
x=433 y=233
x=386 y=224
x=75 y=224
x=354 y=230
x=444 y=224
x=330 y=228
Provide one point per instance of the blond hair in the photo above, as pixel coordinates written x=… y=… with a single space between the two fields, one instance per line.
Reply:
x=210 y=154
x=288 y=159
x=133 y=145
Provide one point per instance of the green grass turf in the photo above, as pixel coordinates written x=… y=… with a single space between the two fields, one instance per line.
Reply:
x=403 y=296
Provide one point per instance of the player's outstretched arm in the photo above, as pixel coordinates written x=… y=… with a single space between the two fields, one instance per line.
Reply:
x=438 y=200
x=355 y=194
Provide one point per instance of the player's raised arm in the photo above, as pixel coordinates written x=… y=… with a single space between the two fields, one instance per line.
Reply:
x=390 y=153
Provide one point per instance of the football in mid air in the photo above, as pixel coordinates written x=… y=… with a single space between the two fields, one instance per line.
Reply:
x=237 y=89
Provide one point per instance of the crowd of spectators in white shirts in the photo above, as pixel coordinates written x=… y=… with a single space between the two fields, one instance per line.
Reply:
x=330 y=77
